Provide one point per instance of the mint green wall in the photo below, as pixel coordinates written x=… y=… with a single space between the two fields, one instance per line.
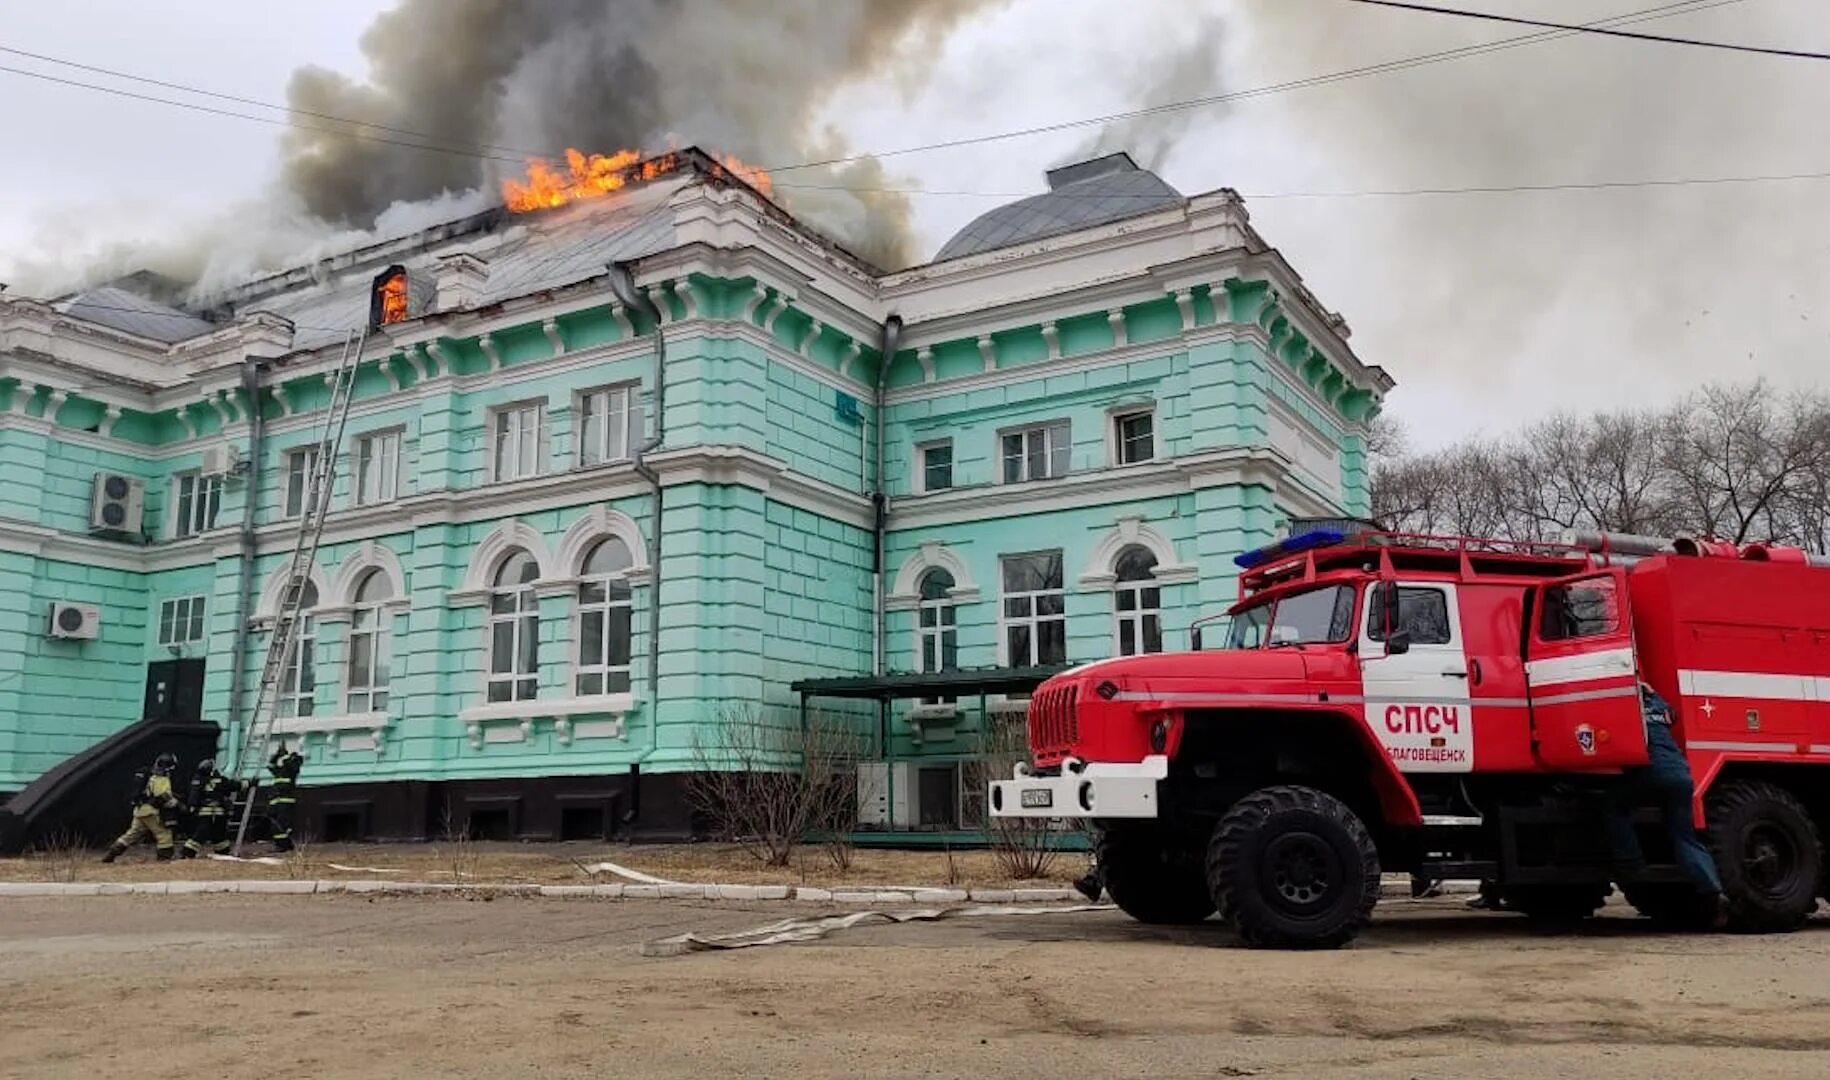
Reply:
x=58 y=697
x=755 y=594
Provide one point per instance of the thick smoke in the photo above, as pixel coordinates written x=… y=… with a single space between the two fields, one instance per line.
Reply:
x=746 y=77
x=1192 y=70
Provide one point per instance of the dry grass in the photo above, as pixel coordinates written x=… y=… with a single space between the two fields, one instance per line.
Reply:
x=555 y=864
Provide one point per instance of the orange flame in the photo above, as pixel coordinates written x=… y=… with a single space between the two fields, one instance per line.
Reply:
x=591 y=176
x=394 y=299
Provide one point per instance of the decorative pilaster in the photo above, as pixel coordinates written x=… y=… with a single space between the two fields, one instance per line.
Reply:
x=814 y=329
x=1115 y=319
x=550 y=327
x=1185 y=303
x=988 y=354
x=488 y=344
x=1052 y=336
x=853 y=349
x=925 y=357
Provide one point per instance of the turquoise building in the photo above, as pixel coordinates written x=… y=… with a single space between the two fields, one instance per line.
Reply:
x=1090 y=401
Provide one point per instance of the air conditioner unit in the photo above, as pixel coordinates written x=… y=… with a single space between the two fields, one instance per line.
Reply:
x=221 y=459
x=117 y=503
x=82 y=622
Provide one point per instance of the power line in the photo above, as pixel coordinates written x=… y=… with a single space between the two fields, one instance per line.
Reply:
x=256 y=102
x=484 y=151
x=195 y=107
x=1627 y=18
x=1487 y=16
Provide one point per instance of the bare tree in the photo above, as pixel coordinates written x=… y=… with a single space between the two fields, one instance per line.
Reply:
x=769 y=784
x=1736 y=462
x=1025 y=848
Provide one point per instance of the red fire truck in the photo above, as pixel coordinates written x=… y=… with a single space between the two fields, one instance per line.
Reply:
x=1454 y=709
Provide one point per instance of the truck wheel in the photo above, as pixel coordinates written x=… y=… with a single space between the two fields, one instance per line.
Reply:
x=1673 y=907
x=1150 y=879
x=1556 y=904
x=1767 y=853
x=1293 y=868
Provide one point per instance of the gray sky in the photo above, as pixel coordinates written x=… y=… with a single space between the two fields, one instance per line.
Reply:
x=1488 y=309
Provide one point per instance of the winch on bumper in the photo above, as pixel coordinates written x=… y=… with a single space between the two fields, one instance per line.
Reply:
x=1082 y=789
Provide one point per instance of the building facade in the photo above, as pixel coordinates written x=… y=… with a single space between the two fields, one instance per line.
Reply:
x=1091 y=402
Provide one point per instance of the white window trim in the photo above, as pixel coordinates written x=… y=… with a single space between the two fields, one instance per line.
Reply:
x=309 y=452
x=172 y=529
x=635 y=418
x=1067 y=427
x=1115 y=443
x=190 y=604
x=513 y=675
x=579 y=667
x=920 y=486
x=307 y=639
x=355 y=465
x=1005 y=621
x=542 y=433
x=379 y=633
x=1136 y=615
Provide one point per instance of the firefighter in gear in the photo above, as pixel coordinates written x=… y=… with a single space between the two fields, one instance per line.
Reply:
x=212 y=799
x=153 y=806
x=284 y=765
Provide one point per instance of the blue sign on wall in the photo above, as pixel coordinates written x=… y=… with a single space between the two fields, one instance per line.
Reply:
x=846 y=407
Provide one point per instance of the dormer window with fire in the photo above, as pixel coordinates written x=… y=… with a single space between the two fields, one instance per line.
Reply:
x=388 y=300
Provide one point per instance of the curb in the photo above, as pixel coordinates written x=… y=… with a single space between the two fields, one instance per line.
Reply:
x=801 y=894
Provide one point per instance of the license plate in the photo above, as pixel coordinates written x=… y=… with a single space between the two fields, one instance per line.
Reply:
x=1038 y=799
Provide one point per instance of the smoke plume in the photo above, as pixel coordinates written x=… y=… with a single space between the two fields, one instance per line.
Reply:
x=744 y=77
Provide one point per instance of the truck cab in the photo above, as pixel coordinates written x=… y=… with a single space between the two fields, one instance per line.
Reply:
x=1441 y=706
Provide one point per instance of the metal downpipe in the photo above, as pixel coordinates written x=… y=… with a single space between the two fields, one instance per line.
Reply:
x=244 y=588
x=880 y=503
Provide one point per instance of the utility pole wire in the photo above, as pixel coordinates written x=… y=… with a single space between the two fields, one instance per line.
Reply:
x=1488 y=16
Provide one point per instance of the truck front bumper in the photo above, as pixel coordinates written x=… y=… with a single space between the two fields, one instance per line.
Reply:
x=1081 y=789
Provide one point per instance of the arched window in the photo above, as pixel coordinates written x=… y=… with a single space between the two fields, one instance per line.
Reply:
x=604 y=620
x=299 y=678
x=936 y=629
x=1138 y=602
x=514 y=630
x=367 y=669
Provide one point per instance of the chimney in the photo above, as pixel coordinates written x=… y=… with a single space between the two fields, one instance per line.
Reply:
x=460 y=279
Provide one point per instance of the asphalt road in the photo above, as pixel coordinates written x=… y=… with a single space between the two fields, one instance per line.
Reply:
x=347 y=986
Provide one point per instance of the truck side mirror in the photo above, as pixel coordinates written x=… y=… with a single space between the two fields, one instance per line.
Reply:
x=1194 y=639
x=1398 y=643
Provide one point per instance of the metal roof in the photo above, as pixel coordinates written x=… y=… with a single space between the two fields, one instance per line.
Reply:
x=134 y=314
x=1080 y=195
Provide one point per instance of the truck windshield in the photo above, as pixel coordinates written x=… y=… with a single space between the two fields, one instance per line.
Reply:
x=1324 y=614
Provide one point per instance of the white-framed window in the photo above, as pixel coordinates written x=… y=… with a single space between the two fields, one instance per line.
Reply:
x=181 y=621
x=514 y=630
x=299 y=466
x=195 y=500
x=609 y=424
x=366 y=672
x=299 y=678
x=377 y=478
x=517 y=435
x=1035 y=610
x=605 y=615
x=1039 y=452
x=937 y=628
x=1134 y=436
x=934 y=465
x=1137 y=603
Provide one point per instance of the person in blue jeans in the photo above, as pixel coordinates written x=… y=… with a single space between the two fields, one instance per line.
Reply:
x=1667 y=775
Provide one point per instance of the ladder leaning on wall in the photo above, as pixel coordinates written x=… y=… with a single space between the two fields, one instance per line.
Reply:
x=283 y=643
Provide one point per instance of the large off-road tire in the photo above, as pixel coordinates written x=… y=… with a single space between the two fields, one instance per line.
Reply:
x=1768 y=855
x=1150 y=879
x=1556 y=904
x=1293 y=868
x=1673 y=906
